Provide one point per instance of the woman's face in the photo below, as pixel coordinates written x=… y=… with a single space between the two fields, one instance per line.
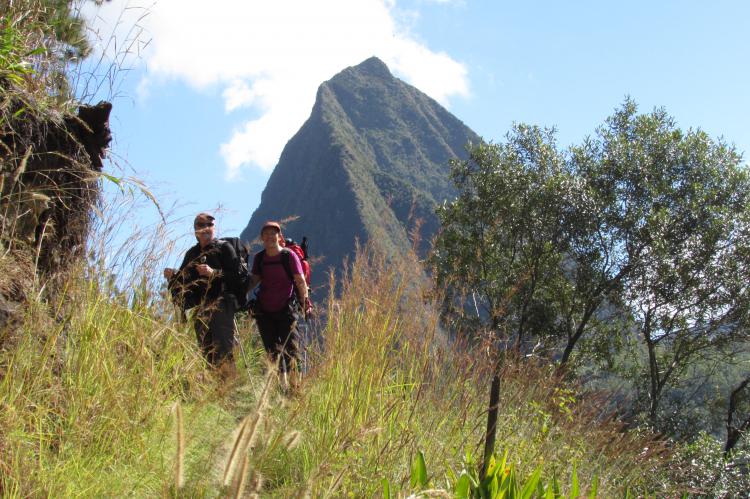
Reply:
x=270 y=237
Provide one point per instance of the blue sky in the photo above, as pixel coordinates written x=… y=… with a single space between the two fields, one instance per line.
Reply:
x=216 y=91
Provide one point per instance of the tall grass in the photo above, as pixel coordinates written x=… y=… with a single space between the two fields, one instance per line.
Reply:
x=88 y=374
x=386 y=385
x=88 y=395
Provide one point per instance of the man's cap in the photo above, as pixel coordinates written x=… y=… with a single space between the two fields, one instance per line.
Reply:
x=270 y=223
x=203 y=217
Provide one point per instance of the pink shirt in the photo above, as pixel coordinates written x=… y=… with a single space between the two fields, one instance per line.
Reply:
x=275 y=288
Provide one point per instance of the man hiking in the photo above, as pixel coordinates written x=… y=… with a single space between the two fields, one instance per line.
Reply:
x=279 y=272
x=205 y=280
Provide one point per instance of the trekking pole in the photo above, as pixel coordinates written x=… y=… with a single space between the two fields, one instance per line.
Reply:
x=305 y=343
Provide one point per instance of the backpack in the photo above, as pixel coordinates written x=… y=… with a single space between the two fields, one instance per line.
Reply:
x=242 y=251
x=291 y=246
x=301 y=251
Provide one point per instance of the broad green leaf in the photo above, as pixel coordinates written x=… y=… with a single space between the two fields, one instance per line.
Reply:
x=574 y=488
x=418 y=471
x=493 y=487
x=386 y=489
x=512 y=483
x=504 y=462
x=489 y=487
x=555 y=486
x=491 y=467
x=594 y=487
x=463 y=487
x=540 y=491
x=530 y=486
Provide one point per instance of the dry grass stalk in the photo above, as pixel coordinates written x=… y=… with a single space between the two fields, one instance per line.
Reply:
x=292 y=439
x=238 y=483
x=237 y=447
x=179 y=472
x=256 y=481
x=246 y=437
x=335 y=484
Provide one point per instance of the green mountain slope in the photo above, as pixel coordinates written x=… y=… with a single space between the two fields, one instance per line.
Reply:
x=370 y=162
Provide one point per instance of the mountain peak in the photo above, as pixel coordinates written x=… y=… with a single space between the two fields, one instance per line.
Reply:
x=372 y=67
x=370 y=164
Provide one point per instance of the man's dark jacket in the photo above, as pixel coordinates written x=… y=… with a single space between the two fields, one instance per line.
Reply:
x=189 y=289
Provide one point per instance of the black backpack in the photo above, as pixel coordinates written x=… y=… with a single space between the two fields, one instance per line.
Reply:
x=242 y=250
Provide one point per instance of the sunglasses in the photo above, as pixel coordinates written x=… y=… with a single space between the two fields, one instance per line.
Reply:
x=203 y=225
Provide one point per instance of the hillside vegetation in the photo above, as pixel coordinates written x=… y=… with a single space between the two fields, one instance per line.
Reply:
x=103 y=391
x=91 y=394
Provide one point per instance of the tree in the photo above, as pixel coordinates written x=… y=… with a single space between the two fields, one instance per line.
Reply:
x=43 y=37
x=672 y=208
x=501 y=241
x=642 y=231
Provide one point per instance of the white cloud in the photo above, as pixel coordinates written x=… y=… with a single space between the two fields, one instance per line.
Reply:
x=271 y=56
x=238 y=94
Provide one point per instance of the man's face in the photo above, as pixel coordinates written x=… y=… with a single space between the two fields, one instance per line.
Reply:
x=270 y=237
x=204 y=231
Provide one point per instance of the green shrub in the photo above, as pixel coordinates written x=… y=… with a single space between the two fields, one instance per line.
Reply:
x=701 y=469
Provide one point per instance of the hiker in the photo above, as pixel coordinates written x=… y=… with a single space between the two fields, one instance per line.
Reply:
x=205 y=280
x=279 y=271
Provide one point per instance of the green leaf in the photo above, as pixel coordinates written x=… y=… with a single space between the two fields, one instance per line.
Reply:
x=490 y=487
x=531 y=483
x=418 y=471
x=493 y=488
x=574 y=488
x=504 y=462
x=555 y=486
x=386 y=488
x=594 y=487
x=463 y=487
x=491 y=467
x=113 y=179
x=511 y=483
x=540 y=492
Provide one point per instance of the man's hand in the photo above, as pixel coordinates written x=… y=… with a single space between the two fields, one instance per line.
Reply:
x=168 y=273
x=204 y=270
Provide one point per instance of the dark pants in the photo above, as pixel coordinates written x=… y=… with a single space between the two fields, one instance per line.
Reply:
x=278 y=330
x=214 y=328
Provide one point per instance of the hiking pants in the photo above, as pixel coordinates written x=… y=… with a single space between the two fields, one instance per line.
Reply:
x=278 y=330
x=214 y=329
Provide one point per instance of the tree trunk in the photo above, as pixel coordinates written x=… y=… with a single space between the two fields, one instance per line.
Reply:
x=489 y=439
x=653 y=369
x=735 y=431
x=573 y=339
